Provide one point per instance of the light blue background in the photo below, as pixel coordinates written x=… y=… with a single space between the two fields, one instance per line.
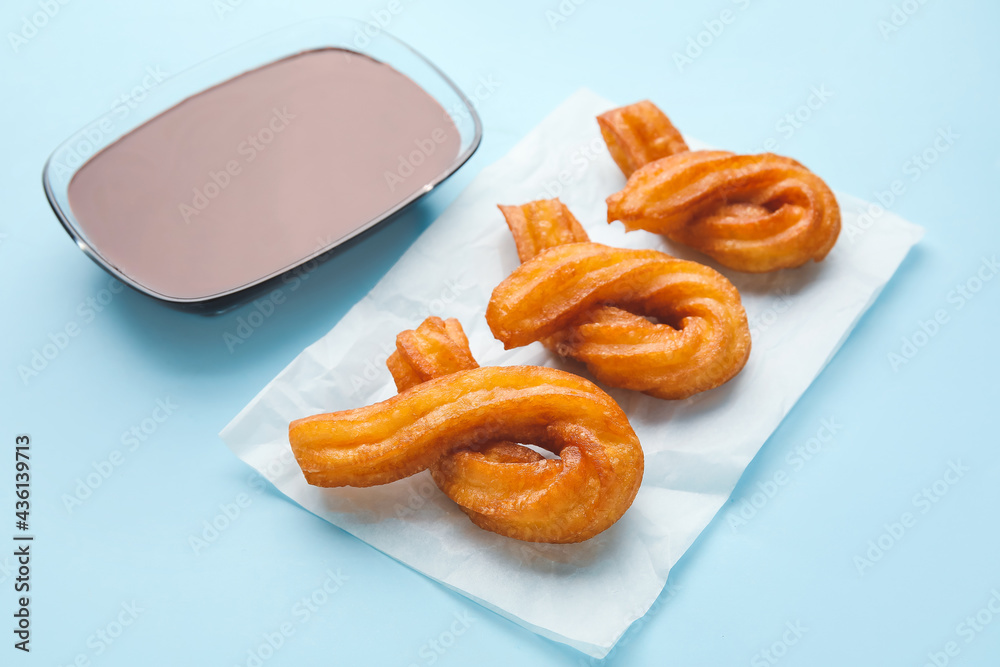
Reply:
x=735 y=590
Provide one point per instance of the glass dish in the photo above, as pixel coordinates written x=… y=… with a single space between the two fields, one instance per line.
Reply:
x=312 y=35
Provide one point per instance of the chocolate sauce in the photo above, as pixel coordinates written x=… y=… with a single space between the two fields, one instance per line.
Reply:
x=247 y=178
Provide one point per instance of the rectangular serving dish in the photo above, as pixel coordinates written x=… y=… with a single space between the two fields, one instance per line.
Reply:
x=336 y=33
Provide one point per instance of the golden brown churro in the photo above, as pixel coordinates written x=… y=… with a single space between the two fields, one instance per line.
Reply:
x=593 y=303
x=463 y=426
x=753 y=213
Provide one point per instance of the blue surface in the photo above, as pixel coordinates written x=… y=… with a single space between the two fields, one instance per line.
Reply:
x=787 y=581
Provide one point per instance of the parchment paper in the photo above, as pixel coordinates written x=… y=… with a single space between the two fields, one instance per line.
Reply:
x=584 y=595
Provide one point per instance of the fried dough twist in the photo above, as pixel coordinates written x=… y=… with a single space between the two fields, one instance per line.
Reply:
x=461 y=422
x=754 y=213
x=593 y=303
x=638 y=134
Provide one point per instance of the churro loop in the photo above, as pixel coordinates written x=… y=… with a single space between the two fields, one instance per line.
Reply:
x=639 y=319
x=463 y=426
x=639 y=134
x=542 y=224
x=753 y=213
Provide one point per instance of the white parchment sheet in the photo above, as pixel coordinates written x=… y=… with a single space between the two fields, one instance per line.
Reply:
x=585 y=595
